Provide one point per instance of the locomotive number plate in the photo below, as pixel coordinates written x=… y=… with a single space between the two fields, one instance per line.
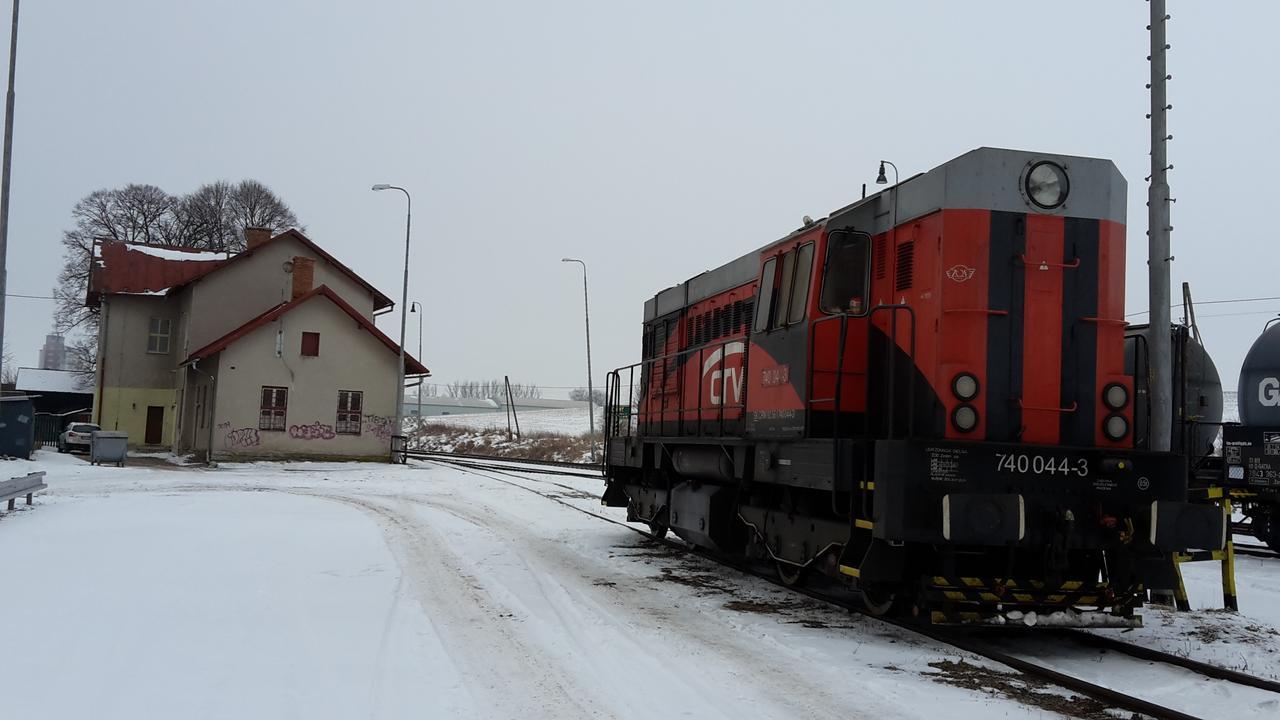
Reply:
x=1025 y=463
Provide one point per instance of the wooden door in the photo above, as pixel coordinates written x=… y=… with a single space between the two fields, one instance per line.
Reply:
x=155 y=424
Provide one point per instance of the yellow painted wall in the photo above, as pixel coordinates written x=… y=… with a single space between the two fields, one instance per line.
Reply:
x=125 y=409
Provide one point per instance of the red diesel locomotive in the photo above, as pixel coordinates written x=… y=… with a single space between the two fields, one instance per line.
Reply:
x=923 y=394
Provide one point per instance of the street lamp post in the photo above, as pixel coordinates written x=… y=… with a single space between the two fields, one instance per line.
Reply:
x=591 y=400
x=882 y=180
x=4 y=183
x=417 y=308
x=404 y=300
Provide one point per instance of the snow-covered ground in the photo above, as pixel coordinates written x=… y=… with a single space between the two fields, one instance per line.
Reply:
x=318 y=590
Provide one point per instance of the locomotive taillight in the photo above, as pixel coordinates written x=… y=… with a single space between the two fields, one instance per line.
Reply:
x=965 y=418
x=1115 y=427
x=1115 y=396
x=965 y=386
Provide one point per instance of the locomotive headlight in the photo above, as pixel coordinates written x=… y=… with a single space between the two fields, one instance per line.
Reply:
x=965 y=418
x=965 y=386
x=1115 y=427
x=1047 y=185
x=1115 y=396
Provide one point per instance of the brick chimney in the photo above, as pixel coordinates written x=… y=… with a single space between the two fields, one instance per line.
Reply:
x=253 y=237
x=304 y=270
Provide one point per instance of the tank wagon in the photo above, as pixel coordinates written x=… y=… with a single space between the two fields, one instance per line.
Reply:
x=924 y=395
x=1251 y=449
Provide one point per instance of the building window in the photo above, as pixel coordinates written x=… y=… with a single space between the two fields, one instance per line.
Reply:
x=158 y=335
x=275 y=403
x=350 y=408
x=311 y=344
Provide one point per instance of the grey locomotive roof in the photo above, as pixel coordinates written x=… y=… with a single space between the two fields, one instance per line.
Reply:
x=988 y=178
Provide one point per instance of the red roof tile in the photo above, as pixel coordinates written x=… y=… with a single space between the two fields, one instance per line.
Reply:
x=412 y=366
x=127 y=268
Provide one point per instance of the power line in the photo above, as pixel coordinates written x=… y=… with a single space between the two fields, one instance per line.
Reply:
x=31 y=297
x=1212 y=302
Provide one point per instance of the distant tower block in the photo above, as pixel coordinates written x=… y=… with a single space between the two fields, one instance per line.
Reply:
x=53 y=356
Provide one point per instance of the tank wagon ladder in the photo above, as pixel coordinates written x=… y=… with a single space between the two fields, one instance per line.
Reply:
x=1226 y=556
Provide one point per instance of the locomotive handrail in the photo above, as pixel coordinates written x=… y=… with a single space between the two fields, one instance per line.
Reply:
x=646 y=403
x=1024 y=406
x=1045 y=264
x=893 y=309
x=985 y=311
x=1103 y=321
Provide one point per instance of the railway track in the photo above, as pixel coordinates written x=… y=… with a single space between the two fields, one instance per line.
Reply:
x=505 y=463
x=1261 y=551
x=495 y=468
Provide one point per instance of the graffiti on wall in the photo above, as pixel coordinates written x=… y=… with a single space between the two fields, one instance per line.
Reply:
x=379 y=426
x=242 y=438
x=314 y=431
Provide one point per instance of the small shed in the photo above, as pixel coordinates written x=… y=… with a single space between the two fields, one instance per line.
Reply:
x=17 y=426
x=57 y=392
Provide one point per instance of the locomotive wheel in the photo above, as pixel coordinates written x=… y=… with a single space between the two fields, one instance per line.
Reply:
x=878 y=599
x=790 y=575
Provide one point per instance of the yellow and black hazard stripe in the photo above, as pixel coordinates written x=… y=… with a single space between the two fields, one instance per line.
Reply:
x=980 y=591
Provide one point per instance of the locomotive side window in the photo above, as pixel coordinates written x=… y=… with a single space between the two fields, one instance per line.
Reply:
x=800 y=288
x=846 y=280
x=766 y=294
x=784 y=288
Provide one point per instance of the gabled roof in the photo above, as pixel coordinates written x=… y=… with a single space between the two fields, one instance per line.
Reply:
x=139 y=269
x=411 y=365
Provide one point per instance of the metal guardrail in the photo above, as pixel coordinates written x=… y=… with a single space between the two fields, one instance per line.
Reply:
x=27 y=485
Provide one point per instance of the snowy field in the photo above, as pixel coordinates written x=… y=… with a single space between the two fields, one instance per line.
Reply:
x=567 y=421
x=356 y=590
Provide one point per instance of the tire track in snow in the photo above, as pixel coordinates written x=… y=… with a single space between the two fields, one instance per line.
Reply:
x=689 y=654
x=505 y=677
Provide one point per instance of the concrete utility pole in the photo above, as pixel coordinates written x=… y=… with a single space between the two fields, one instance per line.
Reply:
x=4 y=187
x=1158 y=229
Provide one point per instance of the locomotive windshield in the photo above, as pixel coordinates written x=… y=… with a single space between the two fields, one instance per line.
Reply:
x=845 y=279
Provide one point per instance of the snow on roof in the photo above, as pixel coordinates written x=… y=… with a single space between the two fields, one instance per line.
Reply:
x=175 y=253
x=52 y=381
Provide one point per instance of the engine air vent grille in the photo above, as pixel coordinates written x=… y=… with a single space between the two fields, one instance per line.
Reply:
x=881 y=255
x=904 y=269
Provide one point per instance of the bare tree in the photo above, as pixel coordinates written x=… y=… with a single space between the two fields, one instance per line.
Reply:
x=580 y=394
x=254 y=205
x=213 y=217
x=491 y=390
x=10 y=375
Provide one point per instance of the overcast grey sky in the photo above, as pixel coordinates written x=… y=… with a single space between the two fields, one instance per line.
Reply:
x=652 y=139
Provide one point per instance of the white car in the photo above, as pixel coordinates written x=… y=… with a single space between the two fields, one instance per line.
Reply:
x=76 y=437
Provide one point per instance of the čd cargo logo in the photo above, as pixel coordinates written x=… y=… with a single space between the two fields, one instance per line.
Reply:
x=1269 y=392
x=724 y=372
x=961 y=273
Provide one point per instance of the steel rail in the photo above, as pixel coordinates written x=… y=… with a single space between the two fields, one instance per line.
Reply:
x=1261 y=551
x=440 y=454
x=1196 y=666
x=968 y=643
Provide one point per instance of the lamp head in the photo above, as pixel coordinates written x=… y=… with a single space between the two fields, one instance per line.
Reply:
x=880 y=179
x=384 y=186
